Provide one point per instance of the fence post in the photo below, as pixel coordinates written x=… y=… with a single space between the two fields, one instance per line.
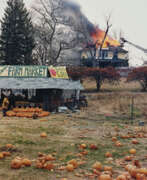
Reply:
x=132 y=109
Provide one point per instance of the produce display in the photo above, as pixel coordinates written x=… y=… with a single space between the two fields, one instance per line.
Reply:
x=27 y=112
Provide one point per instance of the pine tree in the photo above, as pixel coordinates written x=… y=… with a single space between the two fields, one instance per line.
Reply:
x=16 y=39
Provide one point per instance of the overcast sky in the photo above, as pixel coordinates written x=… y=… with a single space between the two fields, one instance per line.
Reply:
x=126 y=15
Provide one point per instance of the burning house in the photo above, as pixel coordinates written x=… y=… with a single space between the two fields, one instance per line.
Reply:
x=103 y=52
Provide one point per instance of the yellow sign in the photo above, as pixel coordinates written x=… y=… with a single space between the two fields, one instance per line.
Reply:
x=58 y=72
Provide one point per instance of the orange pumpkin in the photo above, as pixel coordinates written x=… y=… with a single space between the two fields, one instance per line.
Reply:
x=93 y=146
x=132 y=151
x=140 y=176
x=10 y=113
x=9 y=146
x=108 y=154
x=121 y=177
x=108 y=168
x=69 y=167
x=73 y=162
x=6 y=153
x=128 y=158
x=105 y=177
x=114 y=138
x=49 y=157
x=26 y=162
x=134 y=141
x=97 y=165
x=16 y=164
x=43 y=135
x=1 y=156
x=49 y=166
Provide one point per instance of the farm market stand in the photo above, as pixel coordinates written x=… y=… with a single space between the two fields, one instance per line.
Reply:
x=37 y=90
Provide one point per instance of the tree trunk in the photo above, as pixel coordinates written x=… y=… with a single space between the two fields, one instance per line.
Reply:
x=98 y=82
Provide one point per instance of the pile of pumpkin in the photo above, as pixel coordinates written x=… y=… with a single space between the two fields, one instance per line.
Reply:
x=27 y=112
x=46 y=161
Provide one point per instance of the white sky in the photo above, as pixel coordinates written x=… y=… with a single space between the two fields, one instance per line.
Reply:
x=127 y=15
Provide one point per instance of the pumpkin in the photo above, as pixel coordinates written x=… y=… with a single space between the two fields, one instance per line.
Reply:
x=1 y=156
x=43 y=135
x=134 y=141
x=83 y=146
x=132 y=151
x=6 y=153
x=39 y=165
x=26 y=162
x=73 y=162
x=49 y=166
x=133 y=171
x=10 y=113
x=121 y=177
x=9 y=146
x=49 y=157
x=143 y=171
x=128 y=158
x=118 y=144
x=69 y=167
x=16 y=164
x=97 y=165
x=108 y=168
x=43 y=114
x=114 y=138
x=140 y=176
x=105 y=177
x=93 y=146
x=108 y=154
x=84 y=152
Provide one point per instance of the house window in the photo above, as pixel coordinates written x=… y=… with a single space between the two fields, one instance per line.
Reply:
x=103 y=54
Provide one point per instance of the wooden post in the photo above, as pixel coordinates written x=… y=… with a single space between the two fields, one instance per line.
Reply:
x=132 y=109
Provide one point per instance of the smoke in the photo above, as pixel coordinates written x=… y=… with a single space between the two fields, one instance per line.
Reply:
x=72 y=9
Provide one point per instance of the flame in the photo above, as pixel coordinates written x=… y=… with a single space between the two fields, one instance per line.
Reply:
x=98 y=37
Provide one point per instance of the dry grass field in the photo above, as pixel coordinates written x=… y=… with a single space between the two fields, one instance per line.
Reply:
x=107 y=115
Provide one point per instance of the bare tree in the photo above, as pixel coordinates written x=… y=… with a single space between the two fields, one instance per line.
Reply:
x=108 y=26
x=54 y=32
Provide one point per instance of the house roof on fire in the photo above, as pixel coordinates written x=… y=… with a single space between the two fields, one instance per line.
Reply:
x=39 y=83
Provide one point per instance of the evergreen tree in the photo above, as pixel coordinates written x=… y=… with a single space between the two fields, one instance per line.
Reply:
x=16 y=39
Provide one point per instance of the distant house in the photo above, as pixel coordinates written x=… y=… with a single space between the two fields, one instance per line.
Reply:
x=109 y=56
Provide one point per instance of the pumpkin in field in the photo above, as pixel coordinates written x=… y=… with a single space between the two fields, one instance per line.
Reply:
x=26 y=162
x=105 y=177
x=128 y=158
x=16 y=164
x=134 y=141
x=6 y=153
x=97 y=165
x=1 y=156
x=114 y=139
x=142 y=171
x=140 y=176
x=121 y=177
x=43 y=135
x=93 y=146
x=73 y=162
x=69 y=167
x=9 y=146
x=108 y=168
x=83 y=146
x=132 y=151
x=118 y=144
x=108 y=154
x=49 y=166
x=49 y=157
